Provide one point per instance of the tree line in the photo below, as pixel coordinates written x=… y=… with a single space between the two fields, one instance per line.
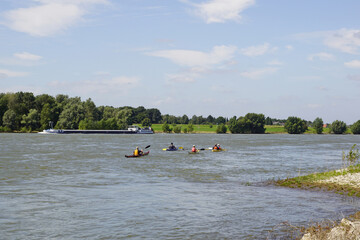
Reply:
x=23 y=111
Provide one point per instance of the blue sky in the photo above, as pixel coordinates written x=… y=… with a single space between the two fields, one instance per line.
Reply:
x=206 y=57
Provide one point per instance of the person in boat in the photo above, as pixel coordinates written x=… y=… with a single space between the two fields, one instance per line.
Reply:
x=136 y=152
x=217 y=147
x=194 y=149
x=172 y=147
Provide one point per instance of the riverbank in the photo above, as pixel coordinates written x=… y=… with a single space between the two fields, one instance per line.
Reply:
x=343 y=181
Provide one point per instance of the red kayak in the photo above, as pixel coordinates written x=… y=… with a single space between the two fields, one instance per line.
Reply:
x=132 y=156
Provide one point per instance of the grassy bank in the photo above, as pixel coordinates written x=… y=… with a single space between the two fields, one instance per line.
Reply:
x=275 y=129
x=314 y=181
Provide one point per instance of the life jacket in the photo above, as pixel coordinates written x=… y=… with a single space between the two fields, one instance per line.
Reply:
x=215 y=148
x=193 y=149
x=136 y=152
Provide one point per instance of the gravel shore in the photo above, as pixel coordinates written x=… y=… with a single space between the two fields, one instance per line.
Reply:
x=351 y=179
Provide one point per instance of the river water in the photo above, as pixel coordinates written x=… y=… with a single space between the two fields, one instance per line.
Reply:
x=82 y=186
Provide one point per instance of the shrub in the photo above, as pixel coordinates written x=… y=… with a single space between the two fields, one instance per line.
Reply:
x=190 y=128
x=355 y=128
x=221 y=128
x=177 y=129
x=185 y=130
x=318 y=125
x=166 y=128
x=295 y=125
x=351 y=158
x=338 y=127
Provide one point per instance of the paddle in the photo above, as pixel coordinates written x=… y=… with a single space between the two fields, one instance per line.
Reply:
x=147 y=146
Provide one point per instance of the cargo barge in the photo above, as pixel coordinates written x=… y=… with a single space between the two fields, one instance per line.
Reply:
x=130 y=130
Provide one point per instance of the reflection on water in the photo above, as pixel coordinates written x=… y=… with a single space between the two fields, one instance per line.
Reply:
x=82 y=186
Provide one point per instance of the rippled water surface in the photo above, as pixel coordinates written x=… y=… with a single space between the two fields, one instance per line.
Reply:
x=82 y=186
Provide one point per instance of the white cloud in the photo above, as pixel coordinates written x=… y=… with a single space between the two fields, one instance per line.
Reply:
x=353 y=64
x=259 y=73
x=314 y=105
x=48 y=18
x=259 y=50
x=219 y=54
x=219 y=11
x=6 y=73
x=345 y=40
x=289 y=47
x=27 y=56
x=321 y=56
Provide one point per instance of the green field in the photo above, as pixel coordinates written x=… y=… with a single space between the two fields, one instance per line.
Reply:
x=269 y=129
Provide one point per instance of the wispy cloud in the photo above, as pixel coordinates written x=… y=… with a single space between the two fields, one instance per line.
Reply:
x=190 y=58
x=22 y=59
x=353 y=64
x=258 y=50
x=323 y=56
x=27 y=56
x=4 y=73
x=343 y=40
x=275 y=63
x=49 y=17
x=220 y=11
x=259 y=73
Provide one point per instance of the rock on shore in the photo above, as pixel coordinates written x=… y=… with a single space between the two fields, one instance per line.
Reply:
x=346 y=230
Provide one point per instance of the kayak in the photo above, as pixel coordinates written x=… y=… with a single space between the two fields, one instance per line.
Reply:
x=218 y=150
x=133 y=156
x=197 y=151
x=171 y=149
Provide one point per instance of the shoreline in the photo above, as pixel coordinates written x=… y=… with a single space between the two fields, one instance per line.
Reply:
x=342 y=181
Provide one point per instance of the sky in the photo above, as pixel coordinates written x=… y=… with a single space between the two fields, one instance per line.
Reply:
x=225 y=58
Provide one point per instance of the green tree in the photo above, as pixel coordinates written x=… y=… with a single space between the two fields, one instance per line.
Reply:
x=9 y=119
x=177 y=129
x=255 y=122
x=32 y=120
x=72 y=114
x=355 y=128
x=3 y=105
x=268 y=121
x=221 y=128
x=190 y=128
x=295 y=125
x=338 y=127
x=166 y=128
x=146 y=122
x=233 y=125
x=318 y=125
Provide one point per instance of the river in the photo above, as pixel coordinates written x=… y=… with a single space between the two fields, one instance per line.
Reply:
x=82 y=186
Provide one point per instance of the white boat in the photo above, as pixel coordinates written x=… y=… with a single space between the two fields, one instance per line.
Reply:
x=136 y=129
x=51 y=131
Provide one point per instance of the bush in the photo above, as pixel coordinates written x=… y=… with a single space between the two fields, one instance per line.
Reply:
x=5 y=129
x=351 y=158
x=338 y=127
x=185 y=130
x=146 y=122
x=166 y=128
x=318 y=125
x=177 y=129
x=221 y=128
x=355 y=128
x=190 y=128
x=295 y=125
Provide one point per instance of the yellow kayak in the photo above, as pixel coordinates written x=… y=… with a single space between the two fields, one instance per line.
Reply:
x=218 y=150
x=197 y=151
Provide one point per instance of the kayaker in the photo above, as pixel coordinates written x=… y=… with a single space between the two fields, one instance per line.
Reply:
x=218 y=147
x=171 y=147
x=215 y=147
x=136 y=152
x=194 y=149
x=141 y=152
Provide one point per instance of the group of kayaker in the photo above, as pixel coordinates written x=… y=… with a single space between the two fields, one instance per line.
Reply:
x=139 y=152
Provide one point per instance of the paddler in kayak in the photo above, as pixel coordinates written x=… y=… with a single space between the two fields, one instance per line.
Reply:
x=136 y=152
x=172 y=147
x=216 y=147
x=194 y=149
